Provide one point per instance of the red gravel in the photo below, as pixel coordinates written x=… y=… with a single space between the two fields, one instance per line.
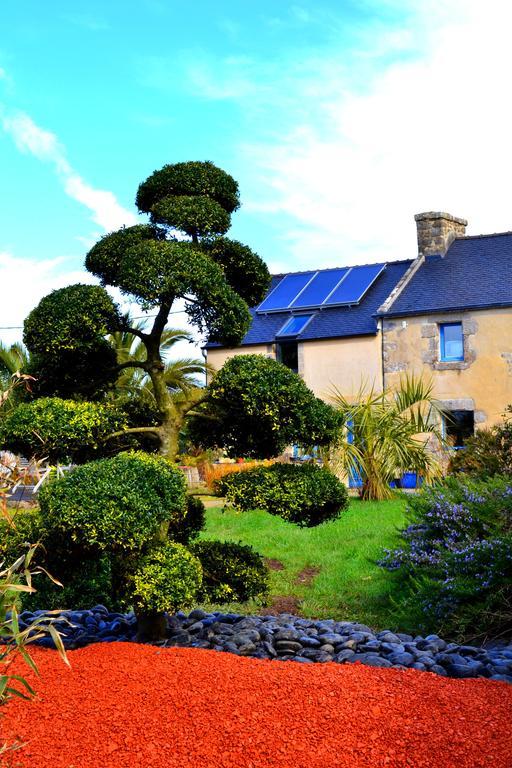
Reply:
x=124 y=705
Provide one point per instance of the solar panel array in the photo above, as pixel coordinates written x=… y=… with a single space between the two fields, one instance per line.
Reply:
x=315 y=290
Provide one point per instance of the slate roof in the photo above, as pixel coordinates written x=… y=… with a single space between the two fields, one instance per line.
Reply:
x=329 y=323
x=475 y=273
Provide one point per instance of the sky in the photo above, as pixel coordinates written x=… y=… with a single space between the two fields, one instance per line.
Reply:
x=339 y=119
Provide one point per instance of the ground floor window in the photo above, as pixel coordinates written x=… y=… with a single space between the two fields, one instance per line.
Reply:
x=458 y=426
x=287 y=353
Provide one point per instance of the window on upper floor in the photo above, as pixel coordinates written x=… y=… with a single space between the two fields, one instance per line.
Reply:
x=451 y=342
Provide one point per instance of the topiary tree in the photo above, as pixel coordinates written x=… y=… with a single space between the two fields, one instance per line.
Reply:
x=118 y=531
x=256 y=407
x=182 y=255
x=122 y=508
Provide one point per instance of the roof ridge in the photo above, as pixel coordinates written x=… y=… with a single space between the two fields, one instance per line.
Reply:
x=491 y=234
x=344 y=266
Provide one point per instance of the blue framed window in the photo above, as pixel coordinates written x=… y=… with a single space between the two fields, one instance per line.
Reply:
x=451 y=342
x=294 y=325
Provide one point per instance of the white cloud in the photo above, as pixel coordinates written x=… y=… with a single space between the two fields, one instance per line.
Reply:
x=24 y=283
x=429 y=132
x=28 y=137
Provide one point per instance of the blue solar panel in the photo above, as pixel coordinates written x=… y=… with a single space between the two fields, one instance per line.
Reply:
x=285 y=292
x=294 y=325
x=355 y=285
x=319 y=288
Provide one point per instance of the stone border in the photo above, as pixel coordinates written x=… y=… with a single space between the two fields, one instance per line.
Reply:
x=287 y=637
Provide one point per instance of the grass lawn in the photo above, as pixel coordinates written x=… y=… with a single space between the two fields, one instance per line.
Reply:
x=348 y=584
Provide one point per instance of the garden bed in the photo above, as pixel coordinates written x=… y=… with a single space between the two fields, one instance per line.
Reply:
x=124 y=705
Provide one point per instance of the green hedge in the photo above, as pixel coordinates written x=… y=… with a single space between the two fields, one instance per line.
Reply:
x=307 y=494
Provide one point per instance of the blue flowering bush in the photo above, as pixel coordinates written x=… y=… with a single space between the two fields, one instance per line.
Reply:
x=456 y=558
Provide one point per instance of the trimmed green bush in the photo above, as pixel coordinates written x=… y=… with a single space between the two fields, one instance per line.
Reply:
x=307 y=494
x=85 y=573
x=189 y=528
x=167 y=578
x=257 y=406
x=231 y=572
x=115 y=503
x=64 y=334
x=61 y=430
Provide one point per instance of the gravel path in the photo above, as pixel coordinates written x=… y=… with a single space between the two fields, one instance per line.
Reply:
x=126 y=705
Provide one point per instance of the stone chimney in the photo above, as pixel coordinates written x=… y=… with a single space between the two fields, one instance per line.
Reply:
x=437 y=231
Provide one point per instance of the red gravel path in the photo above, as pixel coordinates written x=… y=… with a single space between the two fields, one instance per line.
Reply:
x=124 y=705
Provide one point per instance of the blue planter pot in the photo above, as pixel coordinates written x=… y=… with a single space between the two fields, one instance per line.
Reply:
x=410 y=480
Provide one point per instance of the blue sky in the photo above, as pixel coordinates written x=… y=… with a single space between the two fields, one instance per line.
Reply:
x=340 y=120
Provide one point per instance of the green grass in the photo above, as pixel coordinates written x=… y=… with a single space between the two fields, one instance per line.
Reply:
x=349 y=585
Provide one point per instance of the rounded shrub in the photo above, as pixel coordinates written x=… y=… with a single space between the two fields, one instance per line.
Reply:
x=231 y=572
x=59 y=429
x=257 y=406
x=85 y=575
x=117 y=503
x=189 y=528
x=189 y=178
x=70 y=318
x=165 y=579
x=307 y=494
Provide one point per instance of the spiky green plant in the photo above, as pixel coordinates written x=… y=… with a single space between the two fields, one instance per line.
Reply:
x=16 y=579
x=386 y=434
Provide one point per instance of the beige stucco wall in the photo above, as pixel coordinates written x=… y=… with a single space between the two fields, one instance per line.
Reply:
x=324 y=364
x=217 y=357
x=484 y=379
x=341 y=363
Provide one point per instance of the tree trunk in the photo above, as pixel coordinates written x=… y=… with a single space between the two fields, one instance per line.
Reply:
x=168 y=434
x=151 y=626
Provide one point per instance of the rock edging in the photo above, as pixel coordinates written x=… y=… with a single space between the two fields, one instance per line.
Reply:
x=287 y=637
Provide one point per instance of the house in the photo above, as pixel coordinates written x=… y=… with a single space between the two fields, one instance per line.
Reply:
x=446 y=315
x=450 y=319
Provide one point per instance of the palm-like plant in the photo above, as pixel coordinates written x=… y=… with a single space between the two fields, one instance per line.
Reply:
x=181 y=376
x=13 y=363
x=386 y=434
x=13 y=359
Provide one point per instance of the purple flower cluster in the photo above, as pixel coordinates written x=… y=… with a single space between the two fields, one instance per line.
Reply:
x=458 y=547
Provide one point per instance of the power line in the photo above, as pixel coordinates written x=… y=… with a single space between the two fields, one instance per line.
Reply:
x=136 y=317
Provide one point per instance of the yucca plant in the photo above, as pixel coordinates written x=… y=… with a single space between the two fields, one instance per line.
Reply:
x=16 y=579
x=386 y=434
